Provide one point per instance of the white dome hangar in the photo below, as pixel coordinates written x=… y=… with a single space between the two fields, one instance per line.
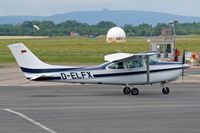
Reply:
x=116 y=34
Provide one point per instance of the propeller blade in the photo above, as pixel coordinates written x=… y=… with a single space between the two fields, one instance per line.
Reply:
x=183 y=62
x=183 y=59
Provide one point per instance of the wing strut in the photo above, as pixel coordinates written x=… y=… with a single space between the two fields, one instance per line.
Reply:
x=148 y=70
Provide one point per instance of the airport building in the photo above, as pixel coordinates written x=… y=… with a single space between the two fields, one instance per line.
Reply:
x=116 y=34
x=165 y=44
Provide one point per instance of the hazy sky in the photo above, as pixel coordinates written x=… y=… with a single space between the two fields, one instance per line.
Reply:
x=51 y=7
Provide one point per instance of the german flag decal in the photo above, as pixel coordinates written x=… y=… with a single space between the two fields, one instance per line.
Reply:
x=23 y=51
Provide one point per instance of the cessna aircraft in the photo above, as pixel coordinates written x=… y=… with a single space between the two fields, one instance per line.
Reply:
x=120 y=69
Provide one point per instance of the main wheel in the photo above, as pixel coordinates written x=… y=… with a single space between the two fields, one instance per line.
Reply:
x=127 y=90
x=134 y=91
x=166 y=90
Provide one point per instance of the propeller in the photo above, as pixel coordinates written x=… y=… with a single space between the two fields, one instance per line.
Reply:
x=183 y=62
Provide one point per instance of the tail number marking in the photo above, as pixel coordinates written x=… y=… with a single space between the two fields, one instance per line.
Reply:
x=76 y=75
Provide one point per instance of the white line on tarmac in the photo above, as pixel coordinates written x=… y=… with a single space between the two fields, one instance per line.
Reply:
x=30 y=120
x=109 y=107
x=99 y=103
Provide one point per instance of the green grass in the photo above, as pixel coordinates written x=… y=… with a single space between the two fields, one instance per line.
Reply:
x=84 y=50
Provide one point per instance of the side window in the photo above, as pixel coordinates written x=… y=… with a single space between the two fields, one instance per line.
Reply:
x=135 y=64
x=119 y=65
x=152 y=61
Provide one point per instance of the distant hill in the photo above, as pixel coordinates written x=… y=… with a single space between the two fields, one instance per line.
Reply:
x=118 y=17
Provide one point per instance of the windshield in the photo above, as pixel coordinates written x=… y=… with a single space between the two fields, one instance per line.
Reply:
x=153 y=60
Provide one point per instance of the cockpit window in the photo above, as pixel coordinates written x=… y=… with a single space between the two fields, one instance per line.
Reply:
x=153 y=60
x=135 y=64
x=127 y=64
x=119 y=65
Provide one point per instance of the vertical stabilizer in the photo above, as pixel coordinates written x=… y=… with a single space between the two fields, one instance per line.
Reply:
x=25 y=58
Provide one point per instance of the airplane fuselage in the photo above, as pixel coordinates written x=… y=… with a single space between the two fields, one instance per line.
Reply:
x=159 y=72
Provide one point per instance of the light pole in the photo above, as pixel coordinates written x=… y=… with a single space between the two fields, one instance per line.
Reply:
x=173 y=28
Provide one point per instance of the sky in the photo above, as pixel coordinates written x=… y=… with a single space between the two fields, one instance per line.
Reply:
x=52 y=7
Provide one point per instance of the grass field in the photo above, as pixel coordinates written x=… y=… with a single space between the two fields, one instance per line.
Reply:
x=67 y=50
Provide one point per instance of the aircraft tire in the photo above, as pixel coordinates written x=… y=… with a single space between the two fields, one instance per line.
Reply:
x=126 y=90
x=135 y=91
x=166 y=90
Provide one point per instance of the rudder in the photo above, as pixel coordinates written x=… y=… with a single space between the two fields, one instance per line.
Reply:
x=25 y=58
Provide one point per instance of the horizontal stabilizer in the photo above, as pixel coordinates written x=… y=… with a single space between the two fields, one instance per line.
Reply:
x=36 y=77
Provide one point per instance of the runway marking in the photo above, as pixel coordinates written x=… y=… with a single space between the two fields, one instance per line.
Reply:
x=108 y=107
x=99 y=103
x=30 y=120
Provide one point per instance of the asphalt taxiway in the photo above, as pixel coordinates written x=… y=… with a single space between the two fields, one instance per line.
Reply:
x=34 y=107
x=99 y=109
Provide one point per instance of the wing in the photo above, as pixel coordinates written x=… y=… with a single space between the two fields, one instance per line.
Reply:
x=125 y=56
x=116 y=56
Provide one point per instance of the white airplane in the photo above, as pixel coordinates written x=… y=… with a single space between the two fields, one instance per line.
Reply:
x=120 y=69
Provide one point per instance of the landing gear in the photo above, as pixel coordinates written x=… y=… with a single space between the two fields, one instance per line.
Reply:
x=133 y=91
x=165 y=90
x=127 y=90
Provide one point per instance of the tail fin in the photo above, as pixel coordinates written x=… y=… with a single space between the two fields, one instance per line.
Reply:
x=25 y=58
x=34 y=68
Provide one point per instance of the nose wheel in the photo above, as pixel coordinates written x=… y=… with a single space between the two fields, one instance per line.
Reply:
x=165 y=90
x=128 y=90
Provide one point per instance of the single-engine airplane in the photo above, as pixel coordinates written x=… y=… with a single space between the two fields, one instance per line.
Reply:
x=120 y=69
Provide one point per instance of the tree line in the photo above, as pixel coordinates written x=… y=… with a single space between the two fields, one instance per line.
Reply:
x=49 y=28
